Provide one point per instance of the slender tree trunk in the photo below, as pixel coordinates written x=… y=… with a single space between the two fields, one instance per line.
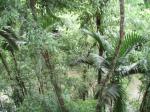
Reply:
x=20 y=91
x=6 y=67
x=31 y=4
x=56 y=87
x=116 y=54
x=18 y=78
x=99 y=26
x=41 y=86
x=17 y=96
x=84 y=92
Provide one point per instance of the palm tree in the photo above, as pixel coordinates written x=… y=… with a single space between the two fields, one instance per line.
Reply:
x=113 y=67
x=122 y=68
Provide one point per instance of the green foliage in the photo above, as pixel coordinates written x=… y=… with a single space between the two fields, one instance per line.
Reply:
x=130 y=42
x=55 y=38
x=120 y=102
x=39 y=103
x=82 y=106
x=103 y=43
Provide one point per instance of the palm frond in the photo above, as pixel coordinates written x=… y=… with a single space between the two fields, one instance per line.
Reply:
x=128 y=69
x=92 y=59
x=103 y=43
x=115 y=96
x=97 y=61
x=112 y=91
x=120 y=102
x=130 y=42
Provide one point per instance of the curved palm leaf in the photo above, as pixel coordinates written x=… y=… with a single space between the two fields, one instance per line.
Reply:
x=130 y=69
x=103 y=43
x=130 y=41
x=120 y=102
x=115 y=93
x=92 y=59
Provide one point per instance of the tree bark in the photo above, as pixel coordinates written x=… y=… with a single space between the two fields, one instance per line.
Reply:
x=114 y=61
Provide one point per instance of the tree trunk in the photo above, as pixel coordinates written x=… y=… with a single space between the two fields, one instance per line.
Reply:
x=6 y=66
x=18 y=77
x=99 y=28
x=54 y=82
x=31 y=4
x=84 y=92
x=114 y=60
x=17 y=95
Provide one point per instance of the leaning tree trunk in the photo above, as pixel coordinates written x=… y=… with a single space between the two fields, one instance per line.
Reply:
x=17 y=93
x=18 y=77
x=54 y=82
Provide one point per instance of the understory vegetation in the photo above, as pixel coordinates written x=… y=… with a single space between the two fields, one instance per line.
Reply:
x=74 y=55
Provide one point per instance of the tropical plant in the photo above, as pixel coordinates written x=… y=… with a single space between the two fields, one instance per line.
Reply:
x=68 y=56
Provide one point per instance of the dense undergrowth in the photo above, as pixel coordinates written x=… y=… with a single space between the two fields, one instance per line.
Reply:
x=66 y=55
